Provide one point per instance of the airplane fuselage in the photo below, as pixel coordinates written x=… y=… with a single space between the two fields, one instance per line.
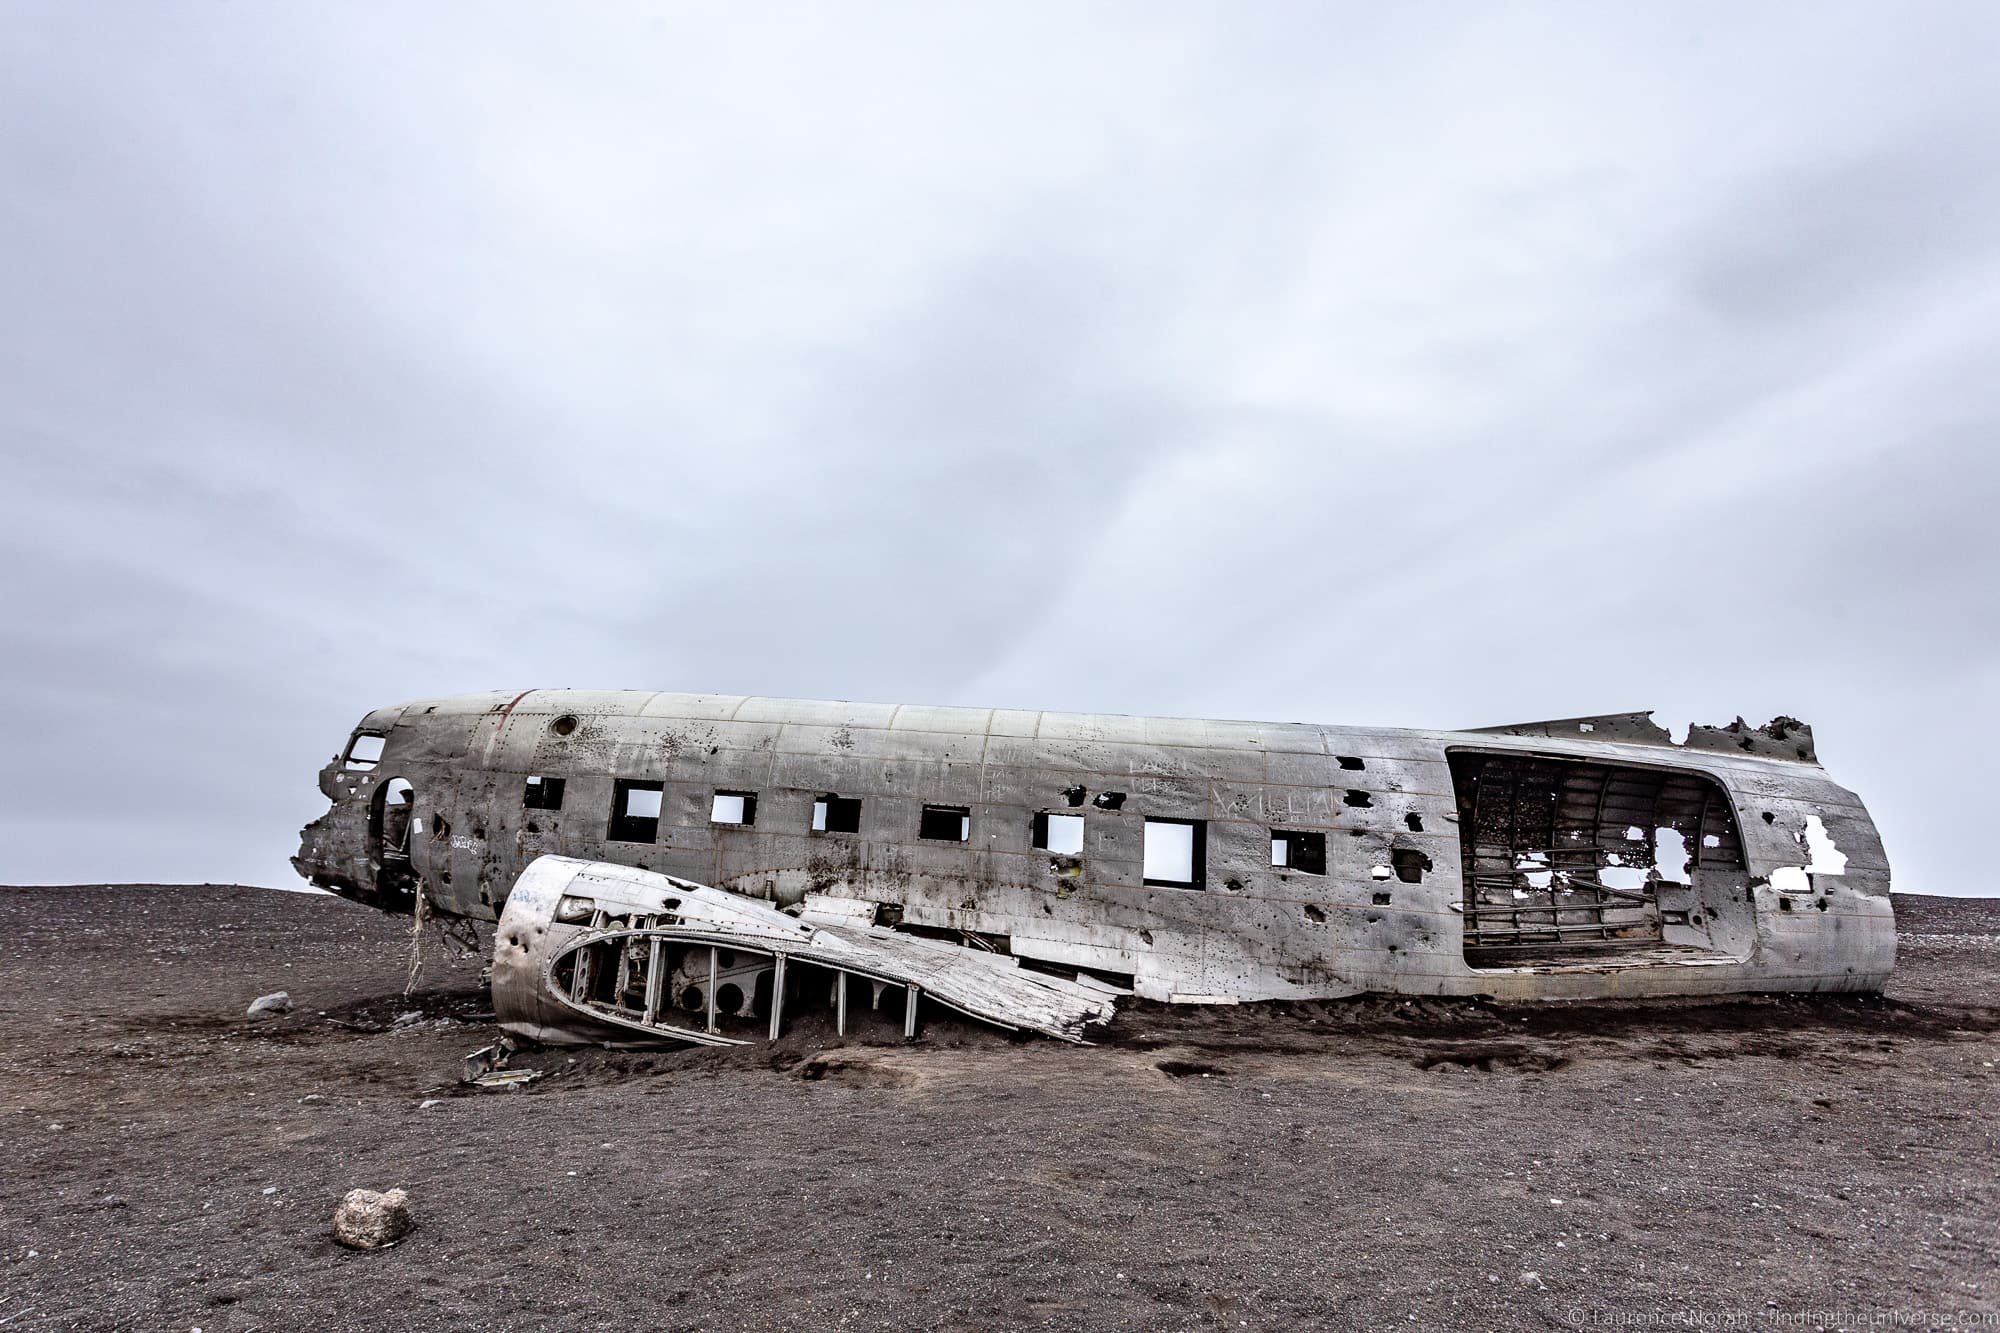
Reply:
x=1190 y=860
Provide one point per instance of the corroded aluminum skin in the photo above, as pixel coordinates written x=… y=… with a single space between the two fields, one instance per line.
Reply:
x=1254 y=932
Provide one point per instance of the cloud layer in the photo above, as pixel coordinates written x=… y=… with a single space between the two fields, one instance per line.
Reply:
x=1423 y=366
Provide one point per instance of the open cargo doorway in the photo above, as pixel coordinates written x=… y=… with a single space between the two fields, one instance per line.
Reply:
x=1570 y=860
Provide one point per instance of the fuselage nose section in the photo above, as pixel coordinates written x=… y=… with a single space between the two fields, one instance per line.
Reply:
x=345 y=850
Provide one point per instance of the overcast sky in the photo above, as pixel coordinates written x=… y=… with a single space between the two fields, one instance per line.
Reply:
x=1426 y=365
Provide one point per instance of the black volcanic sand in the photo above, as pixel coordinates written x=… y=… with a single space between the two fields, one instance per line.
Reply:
x=1780 y=1162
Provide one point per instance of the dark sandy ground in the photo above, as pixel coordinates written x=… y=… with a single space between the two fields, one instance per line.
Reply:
x=1770 y=1163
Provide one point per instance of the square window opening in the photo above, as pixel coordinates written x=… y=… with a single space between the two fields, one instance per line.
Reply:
x=364 y=751
x=1060 y=834
x=542 y=793
x=837 y=814
x=1176 y=853
x=635 y=811
x=1304 y=852
x=945 y=823
x=733 y=807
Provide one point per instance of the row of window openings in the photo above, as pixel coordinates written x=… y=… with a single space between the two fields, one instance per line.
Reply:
x=1175 y=850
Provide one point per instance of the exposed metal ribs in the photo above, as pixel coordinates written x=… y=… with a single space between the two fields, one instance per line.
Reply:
x=590 y=947
x=1541 y=839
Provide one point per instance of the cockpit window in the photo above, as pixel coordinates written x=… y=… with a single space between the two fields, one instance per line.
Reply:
x=364 y=751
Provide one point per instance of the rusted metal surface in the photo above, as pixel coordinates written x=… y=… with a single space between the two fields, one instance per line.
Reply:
x=1566 y=859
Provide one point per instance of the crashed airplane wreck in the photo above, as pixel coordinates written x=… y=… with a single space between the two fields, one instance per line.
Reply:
x=694 y=868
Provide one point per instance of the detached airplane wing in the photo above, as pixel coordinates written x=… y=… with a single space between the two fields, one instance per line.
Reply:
x=588 y=949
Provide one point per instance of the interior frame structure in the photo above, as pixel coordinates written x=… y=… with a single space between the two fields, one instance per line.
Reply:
x=1564 y=856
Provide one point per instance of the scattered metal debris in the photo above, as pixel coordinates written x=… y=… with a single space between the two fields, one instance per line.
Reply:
x=488 y=1058
x=505 y=1078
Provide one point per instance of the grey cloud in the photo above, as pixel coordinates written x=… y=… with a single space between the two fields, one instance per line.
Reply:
x=1443 y=367
x=1830 y=241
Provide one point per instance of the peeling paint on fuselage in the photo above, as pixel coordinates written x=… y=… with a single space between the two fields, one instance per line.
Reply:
x=1251 y=930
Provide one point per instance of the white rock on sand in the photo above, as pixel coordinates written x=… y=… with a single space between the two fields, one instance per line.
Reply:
x=277 y=1002
x=366 y=1220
